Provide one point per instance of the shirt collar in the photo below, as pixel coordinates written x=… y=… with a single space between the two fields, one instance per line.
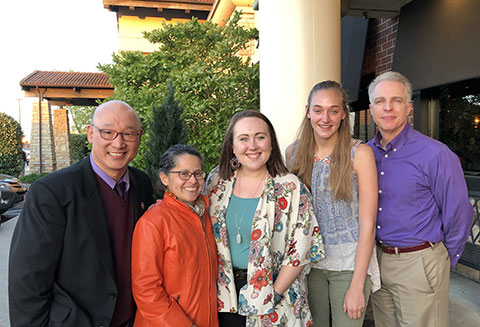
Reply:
x=397 y=142
x=107 y=179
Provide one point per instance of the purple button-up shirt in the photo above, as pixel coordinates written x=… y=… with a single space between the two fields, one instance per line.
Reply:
x=107 y=179
x=422 y=193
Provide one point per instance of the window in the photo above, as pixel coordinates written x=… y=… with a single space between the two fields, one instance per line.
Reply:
x=459 y=121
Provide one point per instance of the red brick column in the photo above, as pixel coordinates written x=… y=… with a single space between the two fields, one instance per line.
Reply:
x=380 y=46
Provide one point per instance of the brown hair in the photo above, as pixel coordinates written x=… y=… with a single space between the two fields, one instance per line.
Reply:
x=341 y=162
x=275 y=164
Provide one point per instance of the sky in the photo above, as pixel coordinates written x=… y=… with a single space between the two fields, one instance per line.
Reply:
x=52 y=35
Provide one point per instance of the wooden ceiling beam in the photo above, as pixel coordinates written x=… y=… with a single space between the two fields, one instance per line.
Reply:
x=60 y=103
x=53 y=93
x=156 y=5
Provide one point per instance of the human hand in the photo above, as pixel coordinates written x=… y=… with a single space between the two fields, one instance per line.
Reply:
x=354 y=303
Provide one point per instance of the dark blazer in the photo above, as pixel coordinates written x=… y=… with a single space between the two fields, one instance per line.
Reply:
x=61 y=269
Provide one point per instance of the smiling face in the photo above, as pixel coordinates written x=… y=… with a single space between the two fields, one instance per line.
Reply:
x=252 y=143
x=390 y=108
x=326 y=113
x=186 y=190
x=113 y=156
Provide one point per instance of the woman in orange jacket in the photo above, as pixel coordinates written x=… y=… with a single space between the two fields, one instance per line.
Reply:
x=174 y=255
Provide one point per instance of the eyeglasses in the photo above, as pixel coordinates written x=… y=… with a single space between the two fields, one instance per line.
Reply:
x=111 y=134
x=185 y=174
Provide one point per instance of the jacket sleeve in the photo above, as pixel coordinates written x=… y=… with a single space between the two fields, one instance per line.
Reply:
x=34 y=255
x=304 y=244
x=153 y=302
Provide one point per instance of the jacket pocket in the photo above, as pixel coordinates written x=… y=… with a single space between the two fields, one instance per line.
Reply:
x=59 y=312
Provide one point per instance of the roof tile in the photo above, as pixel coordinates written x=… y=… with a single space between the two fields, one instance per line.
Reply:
x=66 y=79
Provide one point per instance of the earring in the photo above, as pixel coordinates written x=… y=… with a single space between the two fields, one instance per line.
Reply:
x=234 y=163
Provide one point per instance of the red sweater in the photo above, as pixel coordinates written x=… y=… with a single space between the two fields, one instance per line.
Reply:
x=120 y=221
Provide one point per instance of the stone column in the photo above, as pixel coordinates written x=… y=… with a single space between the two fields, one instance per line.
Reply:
x=47 y=162
x=300 y=45
x=61 y=132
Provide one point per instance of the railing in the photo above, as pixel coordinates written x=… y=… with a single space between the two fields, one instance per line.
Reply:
x=471 y=254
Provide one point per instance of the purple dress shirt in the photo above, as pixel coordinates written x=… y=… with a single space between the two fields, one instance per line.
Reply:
x=107 y=179
x=422 y=193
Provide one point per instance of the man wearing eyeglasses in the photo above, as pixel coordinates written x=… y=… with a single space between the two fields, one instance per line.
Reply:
x=70 y=252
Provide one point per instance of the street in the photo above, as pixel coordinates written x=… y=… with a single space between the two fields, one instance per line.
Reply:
x=9 y=219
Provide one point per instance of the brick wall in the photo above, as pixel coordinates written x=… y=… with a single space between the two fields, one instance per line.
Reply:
x=380 y=46
x=378 y=58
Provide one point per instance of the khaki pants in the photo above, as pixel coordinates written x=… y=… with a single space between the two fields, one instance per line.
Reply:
x=415 y=288
x=326 y=292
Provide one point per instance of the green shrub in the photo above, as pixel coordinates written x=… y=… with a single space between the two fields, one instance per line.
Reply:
x=30 y=178
x=165 y=129
x=211 y=81
x=11 y=147
x=79 y=144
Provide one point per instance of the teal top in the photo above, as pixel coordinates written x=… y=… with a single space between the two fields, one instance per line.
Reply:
x=240 y=213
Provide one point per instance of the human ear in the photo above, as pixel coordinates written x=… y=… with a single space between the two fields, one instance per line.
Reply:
x=164 y=178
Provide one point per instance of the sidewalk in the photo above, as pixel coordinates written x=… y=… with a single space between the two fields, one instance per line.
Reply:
x=464 y=303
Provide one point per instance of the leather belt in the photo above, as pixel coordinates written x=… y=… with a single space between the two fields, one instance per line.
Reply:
x=396 y=250
x=239 y=273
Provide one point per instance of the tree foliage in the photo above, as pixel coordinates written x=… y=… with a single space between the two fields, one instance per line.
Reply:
x=165 y=129
x=459 y=129
x=81 y=116
x=11 y=146
x=211 y=81
x=79 y=144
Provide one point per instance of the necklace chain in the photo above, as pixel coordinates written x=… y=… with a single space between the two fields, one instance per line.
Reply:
x=239 y=224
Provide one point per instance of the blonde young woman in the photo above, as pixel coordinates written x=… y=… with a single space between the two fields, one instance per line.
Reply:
x=265 y=229
x=342 y=175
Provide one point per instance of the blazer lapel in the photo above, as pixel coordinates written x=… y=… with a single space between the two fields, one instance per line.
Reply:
x=93 y=214
x=135 y=190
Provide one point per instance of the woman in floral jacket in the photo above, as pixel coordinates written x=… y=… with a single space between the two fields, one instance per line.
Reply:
x=265 y=229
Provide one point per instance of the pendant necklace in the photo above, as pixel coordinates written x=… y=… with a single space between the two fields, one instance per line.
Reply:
x=237 y=223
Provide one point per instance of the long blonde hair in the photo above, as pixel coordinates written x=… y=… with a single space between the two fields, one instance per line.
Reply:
x=340 y=163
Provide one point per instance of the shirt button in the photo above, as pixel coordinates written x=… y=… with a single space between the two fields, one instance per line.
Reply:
x=378 y=227
x=382 y=173
x=379 y=209
x=386 y=156
x=458 y=255
x=380 y=191
x=394 y=150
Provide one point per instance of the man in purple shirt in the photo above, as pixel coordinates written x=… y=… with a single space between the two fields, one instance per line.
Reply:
x=424 y=214
x=71 y=249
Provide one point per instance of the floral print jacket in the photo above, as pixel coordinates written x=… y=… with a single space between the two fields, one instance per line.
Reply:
x=284 y=232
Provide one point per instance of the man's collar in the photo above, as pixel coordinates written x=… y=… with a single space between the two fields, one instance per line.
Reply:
x=107 y=179
x=397 y=141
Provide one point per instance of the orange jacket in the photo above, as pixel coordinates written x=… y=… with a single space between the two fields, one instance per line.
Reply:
x=174 y=267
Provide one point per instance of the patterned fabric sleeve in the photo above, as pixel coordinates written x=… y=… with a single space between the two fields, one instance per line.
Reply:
x=304 y=244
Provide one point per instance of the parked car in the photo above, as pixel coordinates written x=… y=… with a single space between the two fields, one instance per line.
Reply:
x=10 y=183
x=8 y=199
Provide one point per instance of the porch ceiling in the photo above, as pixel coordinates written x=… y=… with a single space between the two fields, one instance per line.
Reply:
x=373 y=8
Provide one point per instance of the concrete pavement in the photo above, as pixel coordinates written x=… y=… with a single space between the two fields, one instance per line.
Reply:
x=464 y=292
